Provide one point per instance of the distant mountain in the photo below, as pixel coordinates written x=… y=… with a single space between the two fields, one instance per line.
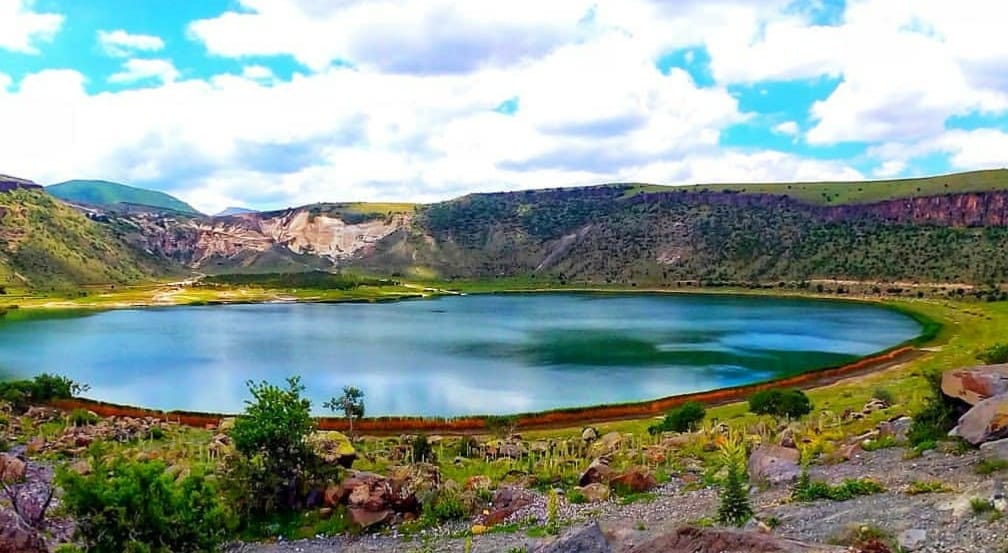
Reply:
x=235 y=211
x=111 y=194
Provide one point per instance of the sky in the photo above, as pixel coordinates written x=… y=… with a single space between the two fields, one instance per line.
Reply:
x=275 y=103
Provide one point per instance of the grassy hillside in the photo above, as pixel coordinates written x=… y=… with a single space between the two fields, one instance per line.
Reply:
x=99 y=192
x=859 y=192
x=606 y=235
x=45 y=244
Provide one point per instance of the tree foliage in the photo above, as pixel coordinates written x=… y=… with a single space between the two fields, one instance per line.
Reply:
x=684 y=418
x=792 y=404
x=351 y=403
x=139 y=507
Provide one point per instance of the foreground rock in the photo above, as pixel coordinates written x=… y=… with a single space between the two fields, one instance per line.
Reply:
x=996 y=450
x=17 y=537
x=986 y=421
x=774 y=464
x=12 y=469
x=588 y=539
x=333 y=447
x=720 y=540
x=976 y=384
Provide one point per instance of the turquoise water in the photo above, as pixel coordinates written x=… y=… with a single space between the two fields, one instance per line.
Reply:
x=455 y=355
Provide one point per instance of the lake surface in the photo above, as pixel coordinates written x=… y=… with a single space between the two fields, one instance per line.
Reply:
x=456 y=355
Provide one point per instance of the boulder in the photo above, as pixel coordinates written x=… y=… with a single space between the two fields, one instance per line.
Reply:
x=896 y=428
x=975 y=384
x=586 y=539
x=589 y=434
x=365 y=518
x=774 y=464
x=17 y=537
x=12 y=469
x=332 y=447
x=691 y=539
x=412 y=485
x=506 y=502
x=82 y=467
x=635 y=480
x=995 y=450
x=595 y=493
x=985 y=422
x=607 y=444
x=597 y=471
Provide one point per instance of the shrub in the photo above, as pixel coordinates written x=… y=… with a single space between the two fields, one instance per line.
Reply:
x=780 y=403
x=82 y=417
x=734 y=508
x=998 y=353
x=44 y=387
x=446 y=507
x=275 y=461
x=990 y=466
x=884 y=395
x=681 y=419
x=468 y=447
x=422 y=450
x=980 y=506
x=807 y=489
x=129 y=506
x=939 y=415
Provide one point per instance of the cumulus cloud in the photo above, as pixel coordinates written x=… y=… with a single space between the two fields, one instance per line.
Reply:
x=21 y=27
x=398 y=99
x=138 y=69
x=121 y=44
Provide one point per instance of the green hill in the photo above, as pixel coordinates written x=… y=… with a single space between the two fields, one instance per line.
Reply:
x=46 y=244
x=105 y=193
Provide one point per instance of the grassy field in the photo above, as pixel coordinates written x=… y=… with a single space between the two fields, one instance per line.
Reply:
x=858 y=192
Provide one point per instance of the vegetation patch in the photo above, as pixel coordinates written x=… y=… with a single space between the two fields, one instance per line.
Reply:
x=807 y=489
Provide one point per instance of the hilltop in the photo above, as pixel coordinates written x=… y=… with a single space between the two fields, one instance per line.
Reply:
x=112 y=194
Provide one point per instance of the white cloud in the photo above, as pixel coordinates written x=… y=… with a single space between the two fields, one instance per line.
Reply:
x=121 y=44
x=788 y=128
x=257 y=72
x=138 y=69
x=21 y=27
x=890 y=168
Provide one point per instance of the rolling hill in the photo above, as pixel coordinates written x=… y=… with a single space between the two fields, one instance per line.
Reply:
x=110 y=194
x=47 y=244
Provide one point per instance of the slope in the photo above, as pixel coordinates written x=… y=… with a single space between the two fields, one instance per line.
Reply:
x=46 y=244
x=109 y=194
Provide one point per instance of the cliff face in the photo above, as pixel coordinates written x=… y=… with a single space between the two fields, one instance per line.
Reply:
x=971 y=209
x=241 y=238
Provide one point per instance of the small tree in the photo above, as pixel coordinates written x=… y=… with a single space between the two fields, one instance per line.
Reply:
x=780 y=403
x=271 y=438
x=681 y=419
x=351 y=403
x=734 y=508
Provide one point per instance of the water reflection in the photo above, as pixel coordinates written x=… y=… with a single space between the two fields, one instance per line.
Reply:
x=451 y=356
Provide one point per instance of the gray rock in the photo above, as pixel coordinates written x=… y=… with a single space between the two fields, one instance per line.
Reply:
x=995 y=450
x=911 y=539
x=586 y=539
x=774 y=464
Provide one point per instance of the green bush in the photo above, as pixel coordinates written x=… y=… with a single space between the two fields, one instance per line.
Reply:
x=998 y=353
x=468 y=447
x=780 y=403
x=422 y=450
x=734 y=508
x=884 y=395
x=130 y=506
x=21 y=394
x=82 y=417
x=939 y=415
x=275 y=462
x=684 y=418
x=807 y=489
x=446 y=507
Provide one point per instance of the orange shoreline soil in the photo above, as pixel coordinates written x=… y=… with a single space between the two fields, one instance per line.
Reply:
x=560 y=418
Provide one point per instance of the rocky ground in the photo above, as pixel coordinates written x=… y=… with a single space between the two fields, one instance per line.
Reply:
x=937 y=522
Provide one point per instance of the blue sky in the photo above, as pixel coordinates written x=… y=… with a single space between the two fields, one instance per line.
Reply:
x=269 y=103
